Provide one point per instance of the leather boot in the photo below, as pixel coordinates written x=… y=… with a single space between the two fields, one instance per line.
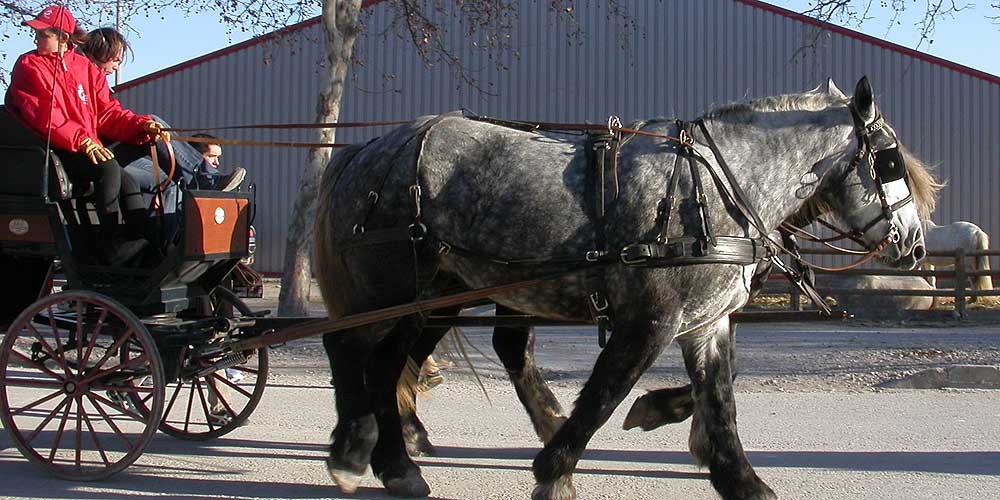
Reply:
x=116 y=245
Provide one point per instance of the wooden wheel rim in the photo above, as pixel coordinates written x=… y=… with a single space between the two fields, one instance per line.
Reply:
x=55 y=394
x=206 y=407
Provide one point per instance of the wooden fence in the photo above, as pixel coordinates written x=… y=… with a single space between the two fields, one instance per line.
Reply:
x=960 y=290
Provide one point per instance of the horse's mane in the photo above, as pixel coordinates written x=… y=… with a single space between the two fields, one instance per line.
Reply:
x=809 y=101
x=923 y=185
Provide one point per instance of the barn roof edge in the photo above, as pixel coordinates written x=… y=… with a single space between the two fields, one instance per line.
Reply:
x=751 y=3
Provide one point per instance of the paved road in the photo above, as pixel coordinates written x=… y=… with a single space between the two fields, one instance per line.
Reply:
x=886 y=445
x=811 y=417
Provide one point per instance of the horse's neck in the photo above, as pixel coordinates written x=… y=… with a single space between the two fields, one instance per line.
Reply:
x=773 y=159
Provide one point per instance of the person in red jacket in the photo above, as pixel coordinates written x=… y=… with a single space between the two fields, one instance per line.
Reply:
x=65 y=99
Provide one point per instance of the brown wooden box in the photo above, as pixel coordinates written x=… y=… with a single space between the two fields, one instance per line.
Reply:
x=25 y=228
x=216 y=224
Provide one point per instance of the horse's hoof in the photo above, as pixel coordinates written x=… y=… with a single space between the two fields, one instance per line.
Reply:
x=657 y=408
x=346 y=480
x=761 y=492
x=751 y=489
x=408 y=486
x=560 y=489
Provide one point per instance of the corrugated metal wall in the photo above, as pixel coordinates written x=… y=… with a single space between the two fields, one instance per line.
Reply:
x=684 y=57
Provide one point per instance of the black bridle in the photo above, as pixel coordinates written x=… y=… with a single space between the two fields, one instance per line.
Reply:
x=887 y=169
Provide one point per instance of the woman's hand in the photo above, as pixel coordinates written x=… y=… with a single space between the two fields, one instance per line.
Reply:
x=155 y=130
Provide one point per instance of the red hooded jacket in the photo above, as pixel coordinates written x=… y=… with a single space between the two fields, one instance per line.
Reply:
x=81 y=104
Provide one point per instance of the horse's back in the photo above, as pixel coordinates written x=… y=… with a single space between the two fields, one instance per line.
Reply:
x=951 y=237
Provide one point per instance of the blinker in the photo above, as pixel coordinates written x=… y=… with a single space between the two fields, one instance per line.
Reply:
x=889 y=165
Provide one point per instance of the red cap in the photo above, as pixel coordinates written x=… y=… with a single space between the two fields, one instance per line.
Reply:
x=54 y=17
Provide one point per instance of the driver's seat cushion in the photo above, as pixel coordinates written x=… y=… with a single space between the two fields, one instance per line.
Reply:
x=22 y=155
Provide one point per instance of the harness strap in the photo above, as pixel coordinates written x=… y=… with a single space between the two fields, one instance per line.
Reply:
x=800 y=273
x=738 y=196
x=666 y=205
x=602 y=153
x=691 y=250
x=698 y=192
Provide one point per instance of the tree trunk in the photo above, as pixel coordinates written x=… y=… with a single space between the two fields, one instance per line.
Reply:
x=340 y=29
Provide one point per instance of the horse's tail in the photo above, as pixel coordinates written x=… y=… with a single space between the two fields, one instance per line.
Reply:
x=983 y=262
x=326 y=263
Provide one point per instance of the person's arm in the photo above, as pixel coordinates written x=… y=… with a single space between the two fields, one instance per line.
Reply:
x=113 y=121
x=30 y=96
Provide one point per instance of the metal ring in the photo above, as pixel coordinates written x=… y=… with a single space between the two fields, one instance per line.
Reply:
x=417 y=231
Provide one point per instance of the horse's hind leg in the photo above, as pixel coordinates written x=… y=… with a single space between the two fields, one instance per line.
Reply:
x=414 y=433
x=714 y=440
x=515 y=345
x=627 y=355
x=669 y=405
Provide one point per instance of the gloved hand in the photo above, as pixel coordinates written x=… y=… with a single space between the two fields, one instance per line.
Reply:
x=96 y=152
x=155 y=130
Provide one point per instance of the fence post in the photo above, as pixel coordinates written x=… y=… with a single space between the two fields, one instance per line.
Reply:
x=960 y=282
x=795 y=303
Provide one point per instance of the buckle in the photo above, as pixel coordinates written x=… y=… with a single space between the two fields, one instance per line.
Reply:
x=358 y=229
x=614 y=124
x=594 y=255
x=685 y=139
x=594 y=297
x=624 y=255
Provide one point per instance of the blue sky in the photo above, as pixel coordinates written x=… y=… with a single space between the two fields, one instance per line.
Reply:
x=968 y=38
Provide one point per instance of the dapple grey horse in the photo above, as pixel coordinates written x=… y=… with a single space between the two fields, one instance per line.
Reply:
x=450 y=182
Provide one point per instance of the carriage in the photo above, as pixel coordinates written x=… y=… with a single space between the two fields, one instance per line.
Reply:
x=88 y=374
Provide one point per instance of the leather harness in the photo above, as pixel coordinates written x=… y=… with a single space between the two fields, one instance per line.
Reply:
x=602 y=189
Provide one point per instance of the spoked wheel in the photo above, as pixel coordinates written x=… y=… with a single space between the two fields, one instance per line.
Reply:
x=60 y=372
x=204 y=403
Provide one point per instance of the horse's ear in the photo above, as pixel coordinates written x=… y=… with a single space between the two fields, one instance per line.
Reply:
x=832 y=89
x=864 y=99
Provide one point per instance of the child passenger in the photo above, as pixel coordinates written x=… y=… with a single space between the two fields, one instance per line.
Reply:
x=65 y=99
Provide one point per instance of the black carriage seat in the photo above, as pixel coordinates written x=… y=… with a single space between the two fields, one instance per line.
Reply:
x=23 y=155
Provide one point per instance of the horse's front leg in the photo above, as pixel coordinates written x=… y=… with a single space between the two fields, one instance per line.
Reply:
x=629 y=352
x=356 y=433
x=390 y=462
x=515 y=345
x=670 y=405
x=714 y=441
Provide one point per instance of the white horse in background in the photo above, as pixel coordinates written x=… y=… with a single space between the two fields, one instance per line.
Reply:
x=951 y=237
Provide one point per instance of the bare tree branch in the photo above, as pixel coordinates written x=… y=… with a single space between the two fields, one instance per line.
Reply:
x=858 y=12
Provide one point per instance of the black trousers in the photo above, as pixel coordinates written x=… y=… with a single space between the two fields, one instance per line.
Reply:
x=112 y=186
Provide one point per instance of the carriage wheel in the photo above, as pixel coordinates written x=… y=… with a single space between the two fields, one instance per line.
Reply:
x=60 y=368
x=206 y=406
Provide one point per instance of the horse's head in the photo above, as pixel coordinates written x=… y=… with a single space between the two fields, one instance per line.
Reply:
x=875 y=197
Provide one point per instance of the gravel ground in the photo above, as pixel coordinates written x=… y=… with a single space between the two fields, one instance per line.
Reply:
x=851 y=355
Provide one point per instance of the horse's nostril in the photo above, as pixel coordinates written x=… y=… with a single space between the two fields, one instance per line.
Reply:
x=919 y=252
